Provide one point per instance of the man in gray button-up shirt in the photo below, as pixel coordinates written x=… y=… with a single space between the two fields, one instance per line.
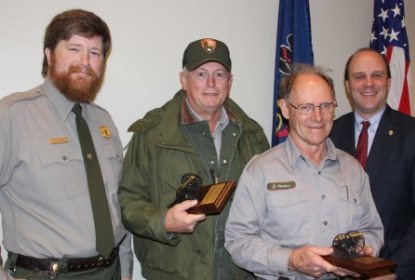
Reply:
x=292 y=200
x=44 y=199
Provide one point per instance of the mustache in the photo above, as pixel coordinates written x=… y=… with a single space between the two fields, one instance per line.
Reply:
x=81 y=69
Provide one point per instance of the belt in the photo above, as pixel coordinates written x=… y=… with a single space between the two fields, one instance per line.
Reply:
x=55 y=266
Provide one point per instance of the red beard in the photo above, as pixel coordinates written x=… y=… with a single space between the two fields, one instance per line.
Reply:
x=80 y=88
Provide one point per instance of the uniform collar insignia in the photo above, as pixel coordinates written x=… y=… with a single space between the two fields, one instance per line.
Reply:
x=105 y=132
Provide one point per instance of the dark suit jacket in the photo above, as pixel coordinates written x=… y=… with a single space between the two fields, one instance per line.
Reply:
x=391 y=169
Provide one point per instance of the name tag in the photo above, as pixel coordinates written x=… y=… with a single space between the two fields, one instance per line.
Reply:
x=274 y=186
x=58 y=140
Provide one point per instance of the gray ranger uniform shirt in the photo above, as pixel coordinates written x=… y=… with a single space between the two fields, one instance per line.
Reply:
x=283 y=202
x=44 y=198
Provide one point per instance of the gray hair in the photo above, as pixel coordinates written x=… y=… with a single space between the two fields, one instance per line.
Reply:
x=297 y=70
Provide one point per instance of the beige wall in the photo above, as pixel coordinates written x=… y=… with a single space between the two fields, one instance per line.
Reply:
x=338 y=29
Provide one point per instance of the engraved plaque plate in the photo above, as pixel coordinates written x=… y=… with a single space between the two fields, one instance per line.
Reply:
x=212 y=198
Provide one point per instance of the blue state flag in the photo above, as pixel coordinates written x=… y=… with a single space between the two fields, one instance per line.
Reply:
x=294 y=45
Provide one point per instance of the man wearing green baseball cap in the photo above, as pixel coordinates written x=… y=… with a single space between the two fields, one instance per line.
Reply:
x=206 y=50
x=199 y=131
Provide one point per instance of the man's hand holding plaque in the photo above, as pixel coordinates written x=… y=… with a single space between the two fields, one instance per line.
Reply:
x=351 y=253
x=193 y=201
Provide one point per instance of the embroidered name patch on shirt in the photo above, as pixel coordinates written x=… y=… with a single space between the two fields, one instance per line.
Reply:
x=274 y=186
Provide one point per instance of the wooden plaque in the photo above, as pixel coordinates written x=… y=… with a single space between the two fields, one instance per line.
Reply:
x=212 y=198
x=366 y=266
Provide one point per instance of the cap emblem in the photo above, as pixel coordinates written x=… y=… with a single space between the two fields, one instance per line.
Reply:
x=208 y=45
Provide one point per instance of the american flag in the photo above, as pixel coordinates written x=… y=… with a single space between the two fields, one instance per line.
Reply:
x=390 y=39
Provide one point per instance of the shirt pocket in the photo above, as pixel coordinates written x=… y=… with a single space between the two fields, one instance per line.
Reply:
x=110 y=163
x=350 y=208
x=287 y=212
x=61 y=174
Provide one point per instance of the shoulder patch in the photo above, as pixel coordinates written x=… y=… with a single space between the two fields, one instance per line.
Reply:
x=150 y=120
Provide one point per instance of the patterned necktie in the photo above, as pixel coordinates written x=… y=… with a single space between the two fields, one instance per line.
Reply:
x=99 y=203
x=362 y=144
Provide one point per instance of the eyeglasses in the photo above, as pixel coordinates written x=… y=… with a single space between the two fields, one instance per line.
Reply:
x=308 y=108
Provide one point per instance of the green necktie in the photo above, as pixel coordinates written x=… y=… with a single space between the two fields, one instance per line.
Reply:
x=100 y=209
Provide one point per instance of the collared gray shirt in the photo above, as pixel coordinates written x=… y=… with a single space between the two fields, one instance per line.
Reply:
x=220 y=126
x=283 y=202
x=44 y=199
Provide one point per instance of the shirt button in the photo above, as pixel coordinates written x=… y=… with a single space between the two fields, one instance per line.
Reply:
x=64 y=158
x=212 y=162
x=323 y=196
x=325 y=223
x=225 y=161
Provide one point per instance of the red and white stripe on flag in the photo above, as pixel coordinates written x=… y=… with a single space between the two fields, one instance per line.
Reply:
x=399 y=96
x=389 y=37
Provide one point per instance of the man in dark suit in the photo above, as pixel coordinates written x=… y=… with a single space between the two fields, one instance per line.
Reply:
x=391 y=154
